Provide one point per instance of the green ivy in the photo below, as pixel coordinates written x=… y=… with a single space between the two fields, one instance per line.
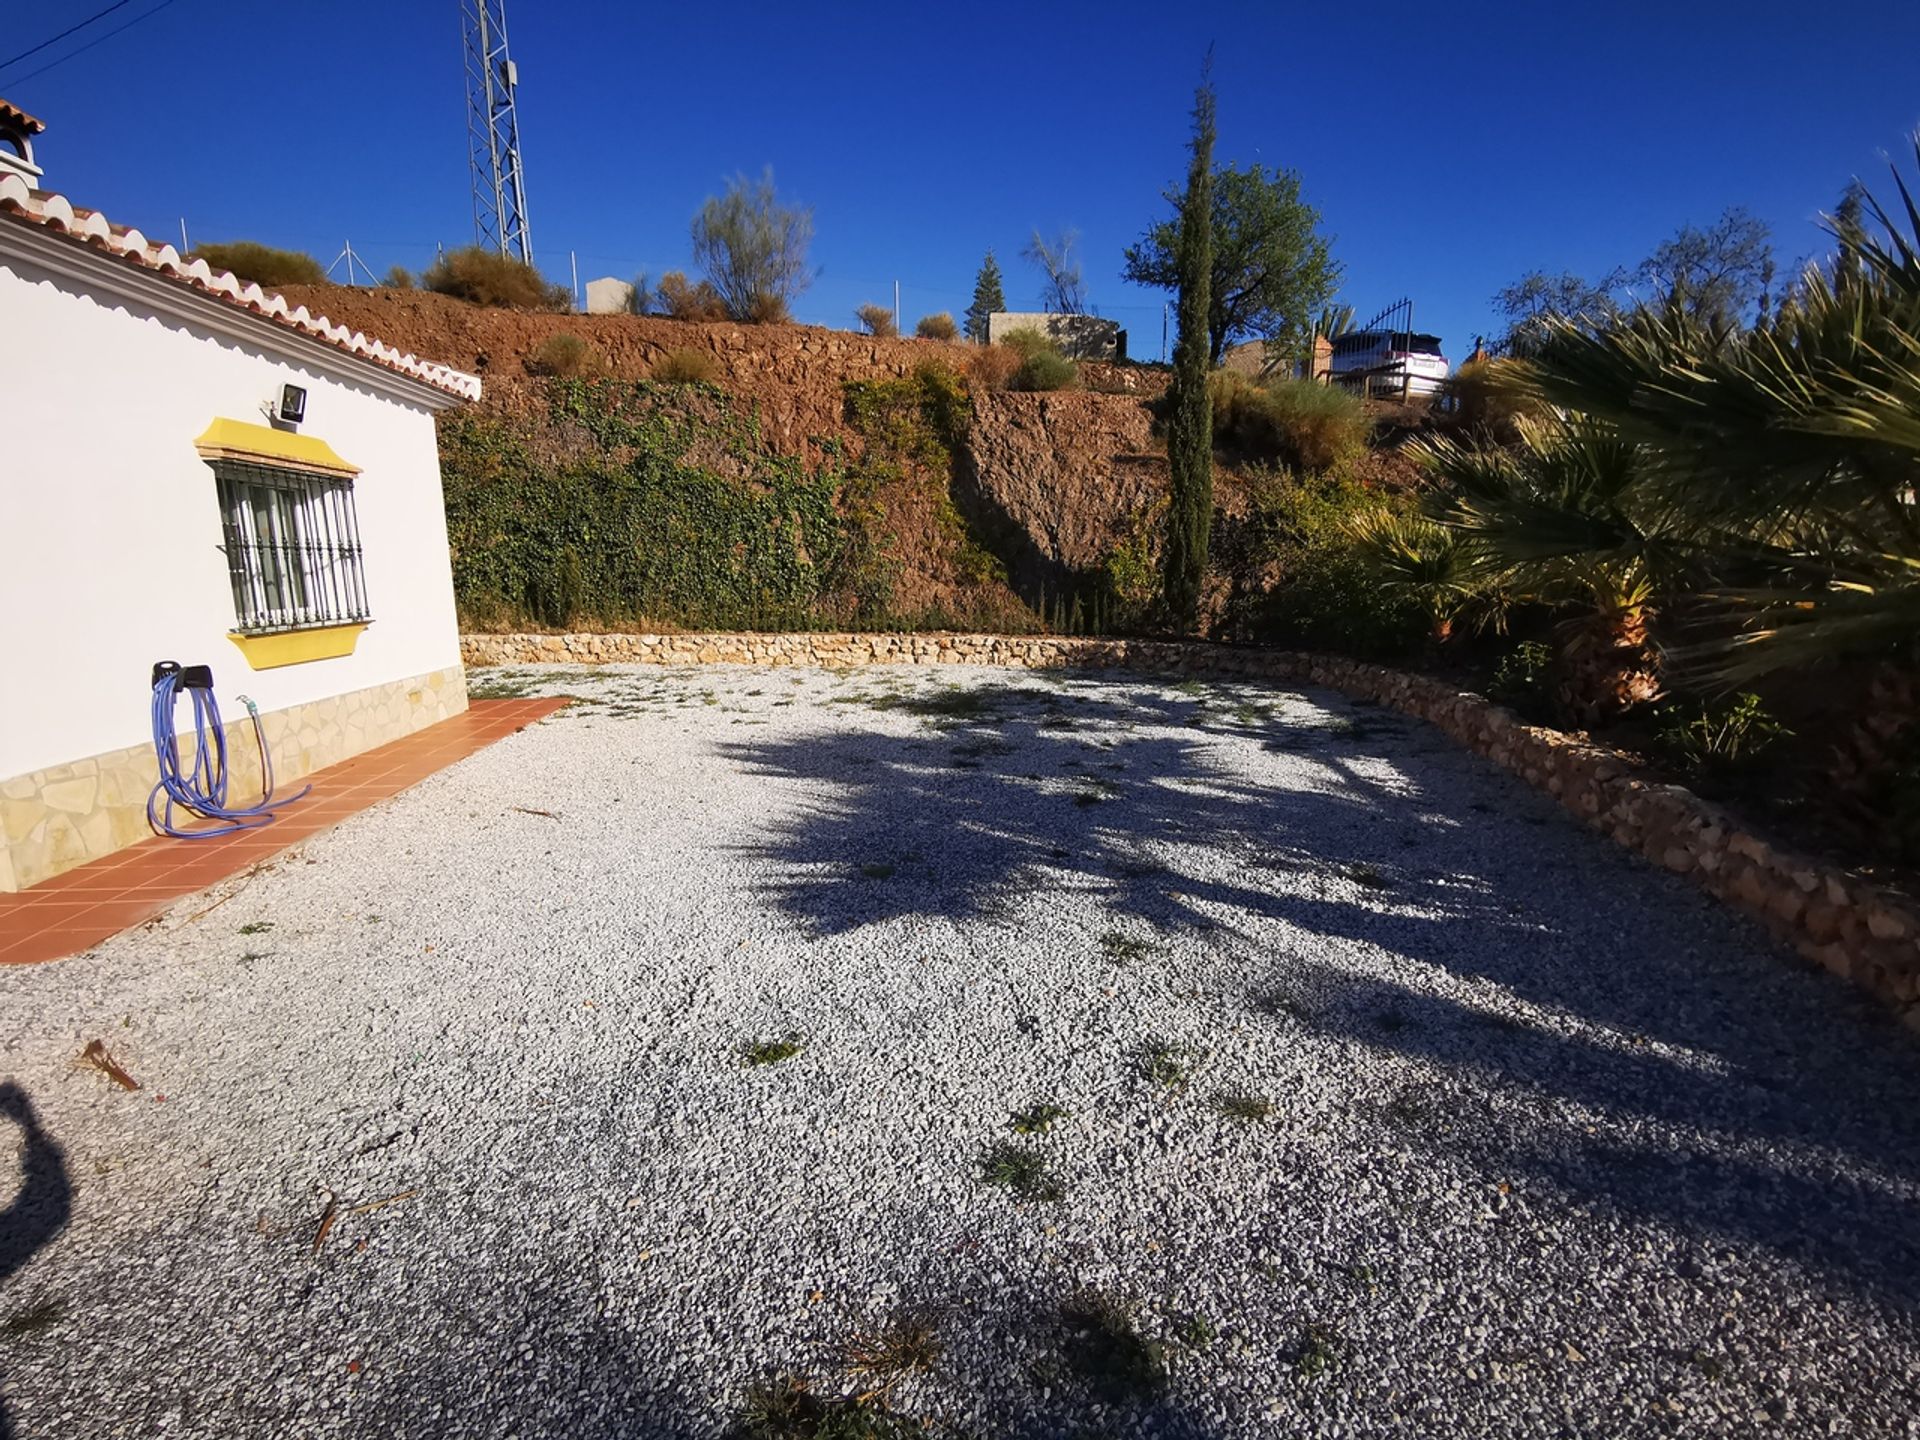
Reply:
x=640 y=503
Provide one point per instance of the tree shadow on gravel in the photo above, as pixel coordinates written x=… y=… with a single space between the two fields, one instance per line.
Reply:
x=1806 y=1153
x=38 y=1212
x=1638 y=998
x=1027 y=789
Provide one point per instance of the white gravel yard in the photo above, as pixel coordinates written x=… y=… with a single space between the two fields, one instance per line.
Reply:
x=1392 y=1102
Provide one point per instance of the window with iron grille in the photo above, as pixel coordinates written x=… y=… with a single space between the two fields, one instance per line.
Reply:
x=293 y=548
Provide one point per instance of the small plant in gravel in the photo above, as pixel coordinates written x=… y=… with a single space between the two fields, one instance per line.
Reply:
x=1025 y=1172
x=1105 y=1348
x=1318 y=1353
x=1124 y=949
x=256 y=927
x=787 y=1409
x=32 y=1320
x=772 y=1052
x=1277 y=1005
x=905 y=1342
x=1164 y=1064
x=1196 y=1332
x=1248 y=1108
x=1037 y=1119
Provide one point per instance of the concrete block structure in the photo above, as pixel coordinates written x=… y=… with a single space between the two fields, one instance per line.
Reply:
x=1079 y=337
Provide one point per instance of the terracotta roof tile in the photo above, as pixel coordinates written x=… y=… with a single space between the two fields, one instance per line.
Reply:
x=21 y=118
x=89 y=227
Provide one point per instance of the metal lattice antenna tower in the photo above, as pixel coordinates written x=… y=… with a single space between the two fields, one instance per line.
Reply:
x=493 y=132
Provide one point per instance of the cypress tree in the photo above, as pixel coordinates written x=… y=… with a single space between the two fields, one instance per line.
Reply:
x=987 y=298
x=1190 y=406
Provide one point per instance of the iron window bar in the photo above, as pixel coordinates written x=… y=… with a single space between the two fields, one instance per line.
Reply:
x=292 y=541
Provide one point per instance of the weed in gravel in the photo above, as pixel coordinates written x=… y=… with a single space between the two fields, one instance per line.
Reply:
x=1368 y=876
x=1123 y=949
x=1037 y=1119
x=1164 y=1064
x=772 y=1052
x=253 y=957
x=1277 y=1005
x=33 y=1319
x=906 y=1341
x=1196 y=1332
x=787 y=1409
x=1250 y=1108
x=877 y=870
x=1105 y=1348
x=256 y=927
x=1024 y=1172
x=1318 y=1353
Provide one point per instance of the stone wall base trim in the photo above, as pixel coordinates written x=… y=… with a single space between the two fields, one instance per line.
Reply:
x=1865 y=933
x=65 y=815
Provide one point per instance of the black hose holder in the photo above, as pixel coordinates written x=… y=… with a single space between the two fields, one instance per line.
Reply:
x=162 y=669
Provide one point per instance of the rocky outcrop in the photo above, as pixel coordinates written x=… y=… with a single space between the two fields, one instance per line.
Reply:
x=1862 y=932
x=1061 y=476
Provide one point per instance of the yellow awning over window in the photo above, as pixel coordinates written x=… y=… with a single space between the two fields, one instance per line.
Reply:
x=263 y=445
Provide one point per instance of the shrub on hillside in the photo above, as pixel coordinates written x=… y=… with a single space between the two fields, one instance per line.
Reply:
x=937 y=327
x=686 y=367
x=769 y=310
x=993 y=367
x=263 y=264
x=1026 y=340
x=398 y=278
x=681 y=299
x=1298 y=423
x=1327 y=594
x=876 y=320
x=1045 y=370
x=567 y=357
x=486 y=277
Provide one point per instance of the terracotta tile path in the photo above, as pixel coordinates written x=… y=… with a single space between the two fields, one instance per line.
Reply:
x=77 y=910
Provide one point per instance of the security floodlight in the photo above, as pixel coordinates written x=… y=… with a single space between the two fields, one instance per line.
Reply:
x=293 y=404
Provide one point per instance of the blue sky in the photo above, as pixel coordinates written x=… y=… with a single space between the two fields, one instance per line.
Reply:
x=1449 y=148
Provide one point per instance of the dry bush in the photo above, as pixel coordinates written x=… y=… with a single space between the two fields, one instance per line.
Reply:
x=686 y=367
x=263 y=264
x=768 y=310
x=486 y=277
x=937 y=327
x=567 y=357
x=1299 y=423
x=681 y=299
x=876 y=320
x=1489 y=396
x=992 y=367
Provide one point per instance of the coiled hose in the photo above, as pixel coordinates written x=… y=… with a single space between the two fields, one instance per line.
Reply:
x=202 y=792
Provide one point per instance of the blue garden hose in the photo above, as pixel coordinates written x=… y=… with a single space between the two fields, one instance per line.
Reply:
x=202 y=792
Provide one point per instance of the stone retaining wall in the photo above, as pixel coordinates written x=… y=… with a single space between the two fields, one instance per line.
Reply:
x=1860 y=931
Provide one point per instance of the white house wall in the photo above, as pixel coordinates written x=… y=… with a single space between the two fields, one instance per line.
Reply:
x=110 y=529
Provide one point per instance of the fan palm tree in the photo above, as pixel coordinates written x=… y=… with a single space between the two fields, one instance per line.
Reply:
x=1566 y=518
x=1795 y=445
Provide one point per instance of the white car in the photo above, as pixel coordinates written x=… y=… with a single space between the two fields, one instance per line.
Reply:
x=1389 y=363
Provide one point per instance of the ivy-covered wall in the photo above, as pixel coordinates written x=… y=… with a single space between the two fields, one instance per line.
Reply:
x=635 y=504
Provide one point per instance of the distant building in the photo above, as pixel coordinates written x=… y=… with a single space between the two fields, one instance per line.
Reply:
x=1079 y=337
x=608 y=296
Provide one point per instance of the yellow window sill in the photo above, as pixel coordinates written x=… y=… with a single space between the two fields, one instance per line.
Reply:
x=297 y=647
